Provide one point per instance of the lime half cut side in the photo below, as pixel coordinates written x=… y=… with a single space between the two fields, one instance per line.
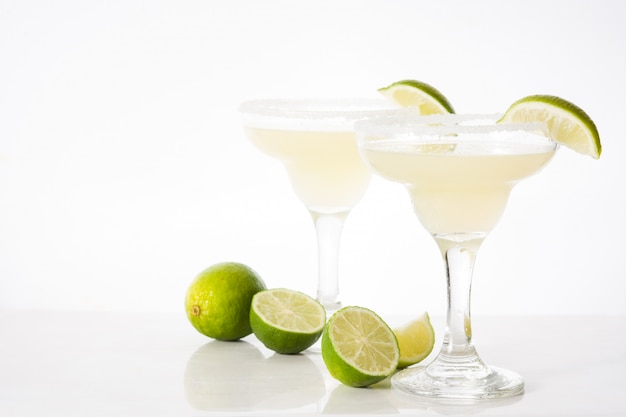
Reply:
x=417 y=94
x=567 y=123
x=286 y=321
x=358 y=347
x=416 y=340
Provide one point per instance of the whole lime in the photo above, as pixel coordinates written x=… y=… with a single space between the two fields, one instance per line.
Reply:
x=218 y=300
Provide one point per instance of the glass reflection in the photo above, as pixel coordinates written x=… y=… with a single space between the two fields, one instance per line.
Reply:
x=236 y=376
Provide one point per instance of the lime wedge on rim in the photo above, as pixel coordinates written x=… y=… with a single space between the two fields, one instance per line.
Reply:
x=413 y=93
x=567 y=123
x=416 y=340
x=358 y=347
x=286 y=321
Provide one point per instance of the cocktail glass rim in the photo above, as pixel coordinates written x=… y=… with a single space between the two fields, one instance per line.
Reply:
x=408 y=121
x=294 y=113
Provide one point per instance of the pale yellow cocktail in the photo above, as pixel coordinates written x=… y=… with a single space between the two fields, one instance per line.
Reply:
x=459 y=172
x=455 y=190
x=315 y=141
x=325 y=169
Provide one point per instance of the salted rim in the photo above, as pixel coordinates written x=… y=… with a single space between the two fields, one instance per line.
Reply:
x=405 y=122
x=316 y=113
x=404 y=128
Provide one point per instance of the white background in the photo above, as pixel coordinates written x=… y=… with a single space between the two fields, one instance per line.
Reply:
x=125 y=171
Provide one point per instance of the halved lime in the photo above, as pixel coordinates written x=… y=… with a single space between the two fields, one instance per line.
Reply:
x=413 y=93
x=416 y=340
x=286 y=321
x=358 y=347
x=568 y=124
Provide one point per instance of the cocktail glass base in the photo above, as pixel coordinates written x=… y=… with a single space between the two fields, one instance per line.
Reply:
x=490 y=383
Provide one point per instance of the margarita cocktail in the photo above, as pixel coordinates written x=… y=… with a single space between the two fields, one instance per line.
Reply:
x=315 y=142
x=459 y=171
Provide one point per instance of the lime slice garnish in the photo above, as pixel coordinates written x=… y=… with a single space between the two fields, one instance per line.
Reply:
x=286 y=321
x=412 y=93
x=416 y=340
x=358 y=347
x=567 y=123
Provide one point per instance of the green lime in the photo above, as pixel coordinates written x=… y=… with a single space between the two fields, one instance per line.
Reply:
x=413 y=93
x=358 y=347
x=567 y=123
x=218 y=300
x=286 y=321
x=416 y=340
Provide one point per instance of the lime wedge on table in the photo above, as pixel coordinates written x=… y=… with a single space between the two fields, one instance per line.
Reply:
x=286 y=321
x=568 y=124
x=413 y=93
x=416 y=340
x=358 y=347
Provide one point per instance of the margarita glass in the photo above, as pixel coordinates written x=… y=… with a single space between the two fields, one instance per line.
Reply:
x=459 y=171
x=315 y=141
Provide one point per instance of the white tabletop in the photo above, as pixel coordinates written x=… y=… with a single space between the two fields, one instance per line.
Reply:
x=86 y=364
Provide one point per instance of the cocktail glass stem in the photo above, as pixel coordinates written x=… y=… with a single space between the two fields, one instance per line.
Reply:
x=458 y=354
x=458 y=372
x=328 y=227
